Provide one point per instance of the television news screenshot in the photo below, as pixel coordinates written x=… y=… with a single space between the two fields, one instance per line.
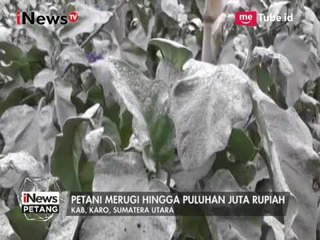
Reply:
x=159 y=119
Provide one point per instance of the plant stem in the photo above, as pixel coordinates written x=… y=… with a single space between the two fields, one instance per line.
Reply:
x=168 y=179
x=212 y=10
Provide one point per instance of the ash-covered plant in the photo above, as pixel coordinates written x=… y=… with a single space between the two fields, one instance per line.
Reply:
x=145 y=95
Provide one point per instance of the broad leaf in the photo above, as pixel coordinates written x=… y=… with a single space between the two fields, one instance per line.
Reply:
x=63 y=227
x=36 y=125
x=6 y=231
x=27 y=230
x=174 y=52
x=13 y=61
x=140 y=37
x=14 y=98
x=120 y=172
x=162 y=139
x=187 y=180
x=72 y=55
x=65 y=160
x=44 y=38
x=44 y=77
x=264 y=55
x=131 y=53
x=15 y=167
x=171 y=8
x=311 y=19
x=62 y=89
x=62 y=101
x=304 y=64
x=231 y=227
x=243 y=172
x=126 y=172
x=97 y=139
x=294 y=163
x=275 y=9
x=130 y=89
x=241 y=146
x=88 y=18
x=206 y=104
x=4 y=33
x=263 y=77
x=277 y=229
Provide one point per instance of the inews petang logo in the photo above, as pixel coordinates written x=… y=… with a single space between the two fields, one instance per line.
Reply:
x=40 y=202
x=32 y=18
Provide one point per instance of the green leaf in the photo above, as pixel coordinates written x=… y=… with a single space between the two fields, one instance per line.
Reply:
x=14 y=99
x=86 y=175
x=195 y=227
x=241 y=146
x=125 y=128
x=27 y=230
x=111 y=130
x=65 y=160
x=13 y=61
x=243 y=172
x=174 y=52
x=36 y=60
x=95 y=95
x=11 y=53
x=263 y=78
x=162 y=138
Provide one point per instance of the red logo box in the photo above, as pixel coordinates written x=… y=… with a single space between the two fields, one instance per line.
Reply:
x=73 y=17
x=248 y=19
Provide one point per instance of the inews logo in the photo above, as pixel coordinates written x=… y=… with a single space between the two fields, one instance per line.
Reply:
x=40 y=202
x=23 y=18
x=250 y=19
